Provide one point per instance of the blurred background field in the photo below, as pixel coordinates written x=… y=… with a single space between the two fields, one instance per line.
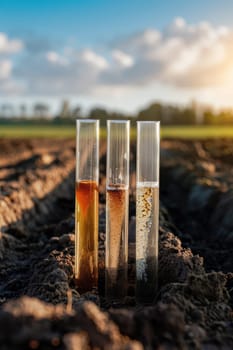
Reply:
x=53 y=131
x=188 y=121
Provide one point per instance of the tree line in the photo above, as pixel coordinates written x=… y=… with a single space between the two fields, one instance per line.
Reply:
x=192 y=114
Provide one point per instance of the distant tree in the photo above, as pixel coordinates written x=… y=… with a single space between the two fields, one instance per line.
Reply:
x=209 y=116
x=76 y=113
x=170 y=115
x=99 y=113
x=166 y=115
x=7 y=110
x=41 y=110
x=65 y=109
x=153 y=112
x=225 y=116
x=188 y=116
x=23 y=110
x=117 y=116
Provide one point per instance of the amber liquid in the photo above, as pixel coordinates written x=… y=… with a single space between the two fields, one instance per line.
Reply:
x=86 y=236
x=116 y=243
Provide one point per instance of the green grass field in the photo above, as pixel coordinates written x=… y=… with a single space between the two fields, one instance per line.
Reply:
x=189 y=132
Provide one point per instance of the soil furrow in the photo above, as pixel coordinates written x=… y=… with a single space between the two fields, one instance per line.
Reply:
x=192 y=309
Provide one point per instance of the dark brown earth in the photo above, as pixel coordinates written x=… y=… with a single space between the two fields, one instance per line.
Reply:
x=40 y=308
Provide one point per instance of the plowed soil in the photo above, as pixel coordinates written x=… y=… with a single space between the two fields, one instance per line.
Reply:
x=40 y=307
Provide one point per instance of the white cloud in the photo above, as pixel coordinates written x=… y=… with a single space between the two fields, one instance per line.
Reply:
x=183 y=56
x=55 y=58
x=139 y=44
x=52 y=56
x=8 y=46
x=122 y=58
x=59 y=74
x=5 y=69
x=90 y=57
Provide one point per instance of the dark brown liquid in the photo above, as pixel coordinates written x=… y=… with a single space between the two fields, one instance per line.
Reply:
x=86 y=246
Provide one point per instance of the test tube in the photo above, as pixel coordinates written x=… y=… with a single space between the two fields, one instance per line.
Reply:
x=86 y=205
x=117 y=203
x=147 y=210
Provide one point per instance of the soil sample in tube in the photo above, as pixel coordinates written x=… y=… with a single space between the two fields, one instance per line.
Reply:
x=116 y=247
x=117 y=208
x=147 y=217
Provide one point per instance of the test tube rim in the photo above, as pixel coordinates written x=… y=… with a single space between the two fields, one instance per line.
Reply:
x=87 y=120
x=148 y=122
x=118 y=121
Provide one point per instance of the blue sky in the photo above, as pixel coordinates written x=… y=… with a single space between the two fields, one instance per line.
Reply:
x=94 y=22
x=54 y=28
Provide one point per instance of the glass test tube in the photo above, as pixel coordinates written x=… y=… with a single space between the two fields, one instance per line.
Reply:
x=86 y=205
x=117 y=203
x=147 y=210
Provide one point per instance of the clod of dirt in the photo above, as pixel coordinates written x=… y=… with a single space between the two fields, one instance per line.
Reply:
x=175 y=262
x=35 y=324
